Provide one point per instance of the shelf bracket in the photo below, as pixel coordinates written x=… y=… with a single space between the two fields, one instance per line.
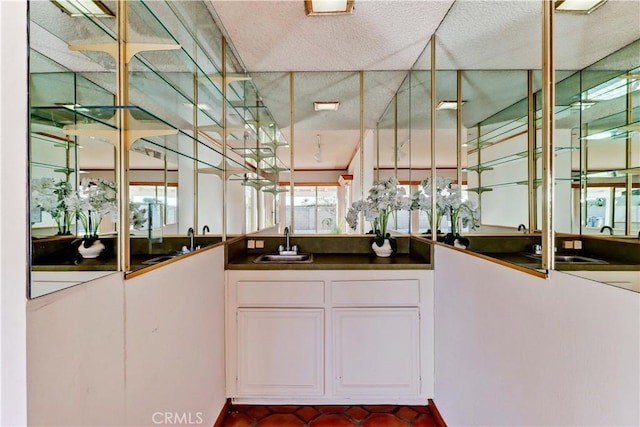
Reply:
x=223 y=170
x=92 y=130
x=132 y=48
x=479 y=190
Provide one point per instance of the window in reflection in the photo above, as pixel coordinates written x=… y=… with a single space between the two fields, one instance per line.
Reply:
x=160 y=203
x=315 y=209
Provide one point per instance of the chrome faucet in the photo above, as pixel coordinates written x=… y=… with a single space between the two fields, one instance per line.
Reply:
x=205 y=229
x=522 y=228
x=287 y=249
x=192 y=239
x=287 y=245
x=606 y=227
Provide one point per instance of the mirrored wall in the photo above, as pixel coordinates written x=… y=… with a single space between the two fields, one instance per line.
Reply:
x=142 y=156
x=172 y=146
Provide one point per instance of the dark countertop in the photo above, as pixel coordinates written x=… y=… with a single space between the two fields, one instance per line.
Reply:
x=336 y=262
x=332 y=253
x=527 y=262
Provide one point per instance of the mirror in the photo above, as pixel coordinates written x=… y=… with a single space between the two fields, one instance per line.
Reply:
x=606 y=100
x=501 y=117
x=191 y=173
x=602 y=130
x=65 y=165
x=182 y=168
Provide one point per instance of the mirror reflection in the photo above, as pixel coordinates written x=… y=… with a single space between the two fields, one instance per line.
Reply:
x=213 y=151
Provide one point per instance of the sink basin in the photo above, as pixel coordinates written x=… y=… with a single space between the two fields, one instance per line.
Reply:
x=287 y=259
x=158 y=259
x=578 y=259
x=573 y=259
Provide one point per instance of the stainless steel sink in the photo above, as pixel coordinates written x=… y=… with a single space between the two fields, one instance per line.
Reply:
x=572 y=259
x=158 y=259
x=578 y=259
x=285 y=259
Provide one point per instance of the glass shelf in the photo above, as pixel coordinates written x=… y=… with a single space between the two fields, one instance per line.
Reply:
x=510 y=129
x=537 y=183
x=175 y=71
x=608 y=174
x=505 y=131
x=491 y=164
x=157 y=75
x=256 y=154
x=57 y=169
x=68 y=115
x=622 y=131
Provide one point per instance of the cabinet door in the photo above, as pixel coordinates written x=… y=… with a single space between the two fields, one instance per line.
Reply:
x=376 y=351
x=280 y=352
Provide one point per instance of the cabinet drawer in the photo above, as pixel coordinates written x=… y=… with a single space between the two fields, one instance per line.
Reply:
x=281 y=294
x=376 y=292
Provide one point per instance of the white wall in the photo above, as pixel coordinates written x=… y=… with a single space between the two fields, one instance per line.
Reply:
x=514 y=349
x=115 y=352
x=175 y=340
x=76 y=357
x=13 y=227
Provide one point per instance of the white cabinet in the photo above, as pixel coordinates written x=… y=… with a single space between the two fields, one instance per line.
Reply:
x=376 y=351
x=280 y=352
x=330 y=337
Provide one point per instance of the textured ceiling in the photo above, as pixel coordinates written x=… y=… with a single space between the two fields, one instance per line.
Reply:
x=379 y=35
x=275 y=37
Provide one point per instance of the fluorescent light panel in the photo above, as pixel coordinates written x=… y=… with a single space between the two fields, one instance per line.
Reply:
x=326 y=105
x=448 y=105
x=583 y=104
x=328 y=7
x=578 y=6
x=93 y=8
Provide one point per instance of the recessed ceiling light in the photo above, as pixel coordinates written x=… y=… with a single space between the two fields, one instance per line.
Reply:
x=448 y=105
x=326 y=105
x=328 y=7
x=578 y=6
x=93 y=8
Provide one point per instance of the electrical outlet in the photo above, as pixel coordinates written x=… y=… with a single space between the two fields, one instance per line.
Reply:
x=567 y=244
x=577 y=244
x=259 y=244
x=251 y=244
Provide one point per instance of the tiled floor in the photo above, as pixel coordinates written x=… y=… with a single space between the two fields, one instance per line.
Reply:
x=329 y=416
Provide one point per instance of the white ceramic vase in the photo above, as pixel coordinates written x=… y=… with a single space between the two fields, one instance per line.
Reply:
x=93 y=251
x=383 y=251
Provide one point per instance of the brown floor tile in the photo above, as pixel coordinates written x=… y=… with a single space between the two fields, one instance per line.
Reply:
x=307 y=413
x=283 y=409
x=332 y=421
x=388 y=409
x=383 y=420
x=332 y=409
x=257 y=412
x=407 y=413
x=242 y=408
x=425 y=420
x=280 y=420
x=237 y=420
x=357 y=413
x=329 y=416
